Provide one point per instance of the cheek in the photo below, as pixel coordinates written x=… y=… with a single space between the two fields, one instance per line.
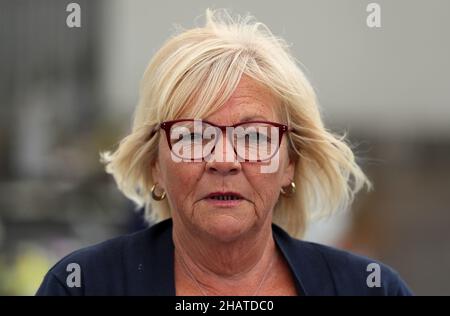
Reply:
x=266 y=186
x=177 y=175
x=181 y=180
x=181 y=186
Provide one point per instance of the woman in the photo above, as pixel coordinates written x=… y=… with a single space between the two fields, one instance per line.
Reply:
x=229 y=154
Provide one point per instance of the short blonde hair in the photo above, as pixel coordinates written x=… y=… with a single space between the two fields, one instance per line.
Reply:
x=194 y=73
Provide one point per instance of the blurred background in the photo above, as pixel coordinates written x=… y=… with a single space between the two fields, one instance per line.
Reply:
x=68 y=93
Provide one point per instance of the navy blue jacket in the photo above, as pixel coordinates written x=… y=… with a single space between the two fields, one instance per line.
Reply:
x=142 y=264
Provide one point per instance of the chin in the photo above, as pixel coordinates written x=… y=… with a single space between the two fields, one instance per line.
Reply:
x=226 y=228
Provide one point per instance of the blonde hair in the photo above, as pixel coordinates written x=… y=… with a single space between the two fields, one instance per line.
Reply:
x=194 y=73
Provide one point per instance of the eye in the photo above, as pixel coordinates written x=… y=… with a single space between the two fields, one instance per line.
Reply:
x=189 y=138
x=196 y=136
x=256 y=137
x=193 y=137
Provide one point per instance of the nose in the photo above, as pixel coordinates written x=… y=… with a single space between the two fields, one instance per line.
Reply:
x=223 y=160
x=223 y=168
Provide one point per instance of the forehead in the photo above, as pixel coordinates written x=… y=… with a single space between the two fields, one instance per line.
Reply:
x=249 y=101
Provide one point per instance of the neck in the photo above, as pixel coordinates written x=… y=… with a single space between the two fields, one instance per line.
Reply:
x=224 y=266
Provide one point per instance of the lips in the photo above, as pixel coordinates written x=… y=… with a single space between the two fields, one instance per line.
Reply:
x=224 y=196
x=226 y=199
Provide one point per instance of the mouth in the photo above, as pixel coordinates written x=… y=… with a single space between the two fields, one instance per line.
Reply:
x=224 y=199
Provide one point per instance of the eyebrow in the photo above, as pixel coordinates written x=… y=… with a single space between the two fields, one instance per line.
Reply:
x=253 y=117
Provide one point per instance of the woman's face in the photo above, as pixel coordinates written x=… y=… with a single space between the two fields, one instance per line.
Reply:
x=187 y=184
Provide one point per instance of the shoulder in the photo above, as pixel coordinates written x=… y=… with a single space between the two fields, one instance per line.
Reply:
x=325 y=270
x=101 y=268
x=354 y=274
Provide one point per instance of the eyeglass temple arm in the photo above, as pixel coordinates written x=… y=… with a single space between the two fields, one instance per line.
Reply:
x=153 y=132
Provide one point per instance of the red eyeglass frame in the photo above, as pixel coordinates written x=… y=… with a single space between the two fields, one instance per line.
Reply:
x=167 y=125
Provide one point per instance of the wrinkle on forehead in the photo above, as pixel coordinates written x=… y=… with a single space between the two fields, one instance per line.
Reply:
x=249 y=100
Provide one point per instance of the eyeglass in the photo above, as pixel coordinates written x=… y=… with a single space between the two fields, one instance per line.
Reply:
x=196 y=140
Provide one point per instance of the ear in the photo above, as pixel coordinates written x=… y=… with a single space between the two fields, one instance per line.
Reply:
x=156 y=173
x=288 y=173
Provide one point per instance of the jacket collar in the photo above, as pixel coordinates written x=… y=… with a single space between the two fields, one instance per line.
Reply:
x=309 y=268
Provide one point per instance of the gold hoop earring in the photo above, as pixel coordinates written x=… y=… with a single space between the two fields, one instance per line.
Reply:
x=291 y=190
x=157 y=197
